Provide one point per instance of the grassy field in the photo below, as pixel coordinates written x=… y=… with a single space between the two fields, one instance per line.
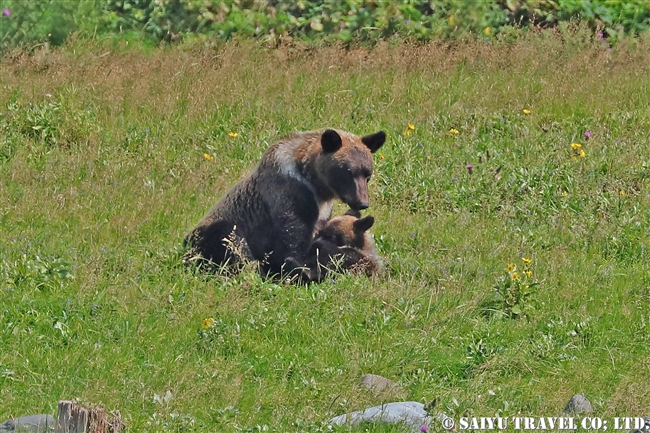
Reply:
x=110 y=154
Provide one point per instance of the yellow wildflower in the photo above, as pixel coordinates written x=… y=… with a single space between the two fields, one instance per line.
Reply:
x=527 y=261
x=515 y=275
x=488 y=31
x=453 y=131
x=576 y=146
x=528 y=273
x=582 y=153
x=565 y=195
x=381 y=156
x=207 y=323
x=511 y=267
x=233 y=134
x=452 y=20
x=208 y=156
x=409 y=129
x=526 y=111
x=623 y=192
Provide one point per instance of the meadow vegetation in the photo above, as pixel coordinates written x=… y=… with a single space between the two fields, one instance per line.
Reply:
x=276 y=21
x=511 y=207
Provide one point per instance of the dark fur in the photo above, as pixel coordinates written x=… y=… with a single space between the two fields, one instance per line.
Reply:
x=273 y=212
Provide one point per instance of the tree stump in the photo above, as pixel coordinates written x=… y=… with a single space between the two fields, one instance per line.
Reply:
x=74 y=418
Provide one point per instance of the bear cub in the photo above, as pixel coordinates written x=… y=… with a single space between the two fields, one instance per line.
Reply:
x=345 y=242
x=272 y=214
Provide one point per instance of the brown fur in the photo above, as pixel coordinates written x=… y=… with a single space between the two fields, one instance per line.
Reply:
x=345 y=241
x=274 y=210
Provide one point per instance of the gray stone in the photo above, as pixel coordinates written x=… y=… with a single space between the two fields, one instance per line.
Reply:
x=644 y=429
x=410 y=413
x=377 y=384
x=33 y=424
x=578 y=404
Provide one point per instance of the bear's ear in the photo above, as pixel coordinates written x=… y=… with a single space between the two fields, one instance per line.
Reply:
x=354 y=213
x=331 y=141
x=374 y=141
x=363 y=224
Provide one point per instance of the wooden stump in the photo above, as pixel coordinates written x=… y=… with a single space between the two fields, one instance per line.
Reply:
x=74 y=418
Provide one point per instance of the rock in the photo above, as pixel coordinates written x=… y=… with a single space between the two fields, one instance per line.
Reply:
x=34 y=424
x=377 y=384
x=410 y=413
x=644 y=429
x=578 y=404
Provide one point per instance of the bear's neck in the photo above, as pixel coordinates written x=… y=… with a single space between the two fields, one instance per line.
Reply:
x=308 y=170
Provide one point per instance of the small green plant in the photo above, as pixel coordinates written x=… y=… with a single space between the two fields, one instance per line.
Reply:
x=480 y=351
x=41 y=122
x=35 y=271
x=218 y=337
x=512 y=292
x=52 y=122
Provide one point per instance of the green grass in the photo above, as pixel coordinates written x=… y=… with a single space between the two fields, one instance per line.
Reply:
x=102 y=172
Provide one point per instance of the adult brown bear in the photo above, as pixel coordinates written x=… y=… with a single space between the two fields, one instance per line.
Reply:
x=274 y=211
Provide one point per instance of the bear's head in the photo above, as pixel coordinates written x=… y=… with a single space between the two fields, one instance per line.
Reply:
x=345 y=165
x=349 y=230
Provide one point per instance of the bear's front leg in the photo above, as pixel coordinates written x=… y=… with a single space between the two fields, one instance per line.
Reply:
x=289 y=268
x=288 y=255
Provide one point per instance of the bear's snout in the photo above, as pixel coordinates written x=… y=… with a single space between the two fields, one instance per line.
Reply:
x=357 y=195
x=359 y=205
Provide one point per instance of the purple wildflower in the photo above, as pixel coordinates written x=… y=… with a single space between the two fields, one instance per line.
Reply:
x=424 y=428
x=587 y=134
x=6 y=12
x=469 y=168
